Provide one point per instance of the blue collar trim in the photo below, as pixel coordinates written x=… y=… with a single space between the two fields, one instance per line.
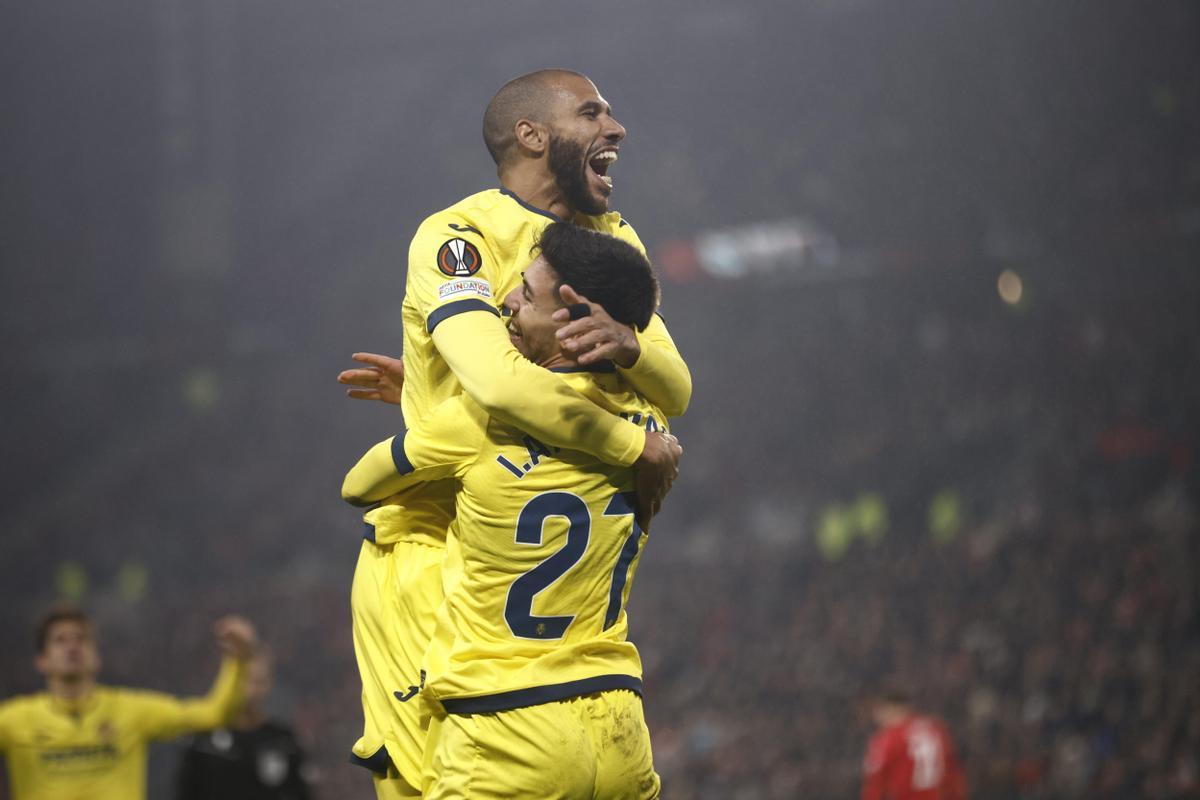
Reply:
x=534 y=209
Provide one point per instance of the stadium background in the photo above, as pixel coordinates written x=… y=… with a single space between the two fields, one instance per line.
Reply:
x=891 y=469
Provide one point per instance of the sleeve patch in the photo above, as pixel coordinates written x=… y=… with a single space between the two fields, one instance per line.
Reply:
x=458 y=258
x=465 y=286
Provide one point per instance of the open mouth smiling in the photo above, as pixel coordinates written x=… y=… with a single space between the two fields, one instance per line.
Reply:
x=598 y=166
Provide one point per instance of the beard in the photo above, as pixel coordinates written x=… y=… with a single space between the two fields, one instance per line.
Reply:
x=568 y=165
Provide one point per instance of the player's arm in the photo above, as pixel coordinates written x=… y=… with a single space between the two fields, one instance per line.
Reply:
x=162 y=716
x=514 y=390
x=8 y=724
x=648 y=359
x=875 y=769
x=655 y=369
x=463 y=321
x=454 y=282
x=440 y=446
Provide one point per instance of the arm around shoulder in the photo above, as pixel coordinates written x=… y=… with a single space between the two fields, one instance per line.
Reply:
x=437 y=447
x=520 y=393
x=660 y=373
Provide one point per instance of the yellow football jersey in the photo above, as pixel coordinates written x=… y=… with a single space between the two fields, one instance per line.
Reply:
x=546 y=548
x=467 y=258
x=96 y=749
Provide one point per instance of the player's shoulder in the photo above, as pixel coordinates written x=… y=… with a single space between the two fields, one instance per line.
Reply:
x=605 y=388
x=21 y=704
x=128 y=697
x=611 y=222
x=478 y=213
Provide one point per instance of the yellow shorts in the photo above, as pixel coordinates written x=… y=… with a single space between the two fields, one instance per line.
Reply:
x=596 y=747
x=394 y=598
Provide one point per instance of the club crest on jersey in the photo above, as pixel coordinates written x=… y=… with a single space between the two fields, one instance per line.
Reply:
x=458 y=258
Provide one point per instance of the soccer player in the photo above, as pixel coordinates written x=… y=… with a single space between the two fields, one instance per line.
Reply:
x=254 y=758
x=554 y=139
x=530 y=672
x=910 y=756
x=79 y=740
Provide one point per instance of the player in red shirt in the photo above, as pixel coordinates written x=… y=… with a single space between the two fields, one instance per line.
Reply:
x=910 y=757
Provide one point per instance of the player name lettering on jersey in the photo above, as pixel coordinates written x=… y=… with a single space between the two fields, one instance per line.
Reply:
x=536 y=452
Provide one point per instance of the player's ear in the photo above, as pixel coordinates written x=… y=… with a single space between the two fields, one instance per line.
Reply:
x=532 y=137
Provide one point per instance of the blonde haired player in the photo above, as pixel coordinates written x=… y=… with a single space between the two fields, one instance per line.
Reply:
x=530 y=675
x=553 y=138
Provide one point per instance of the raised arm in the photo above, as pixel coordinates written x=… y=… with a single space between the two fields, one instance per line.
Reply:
x=162 y=716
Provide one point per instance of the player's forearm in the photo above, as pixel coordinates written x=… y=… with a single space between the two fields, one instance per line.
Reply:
x=660 y=374
x=376 y=475
x=510 y=388
x=222 y=702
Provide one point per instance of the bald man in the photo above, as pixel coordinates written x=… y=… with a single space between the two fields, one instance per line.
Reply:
x=554 y=139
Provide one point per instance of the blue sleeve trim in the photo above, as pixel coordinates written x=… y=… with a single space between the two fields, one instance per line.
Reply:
x=537 y=695
x=399 y=457
x=457 y=307
x=378 y=762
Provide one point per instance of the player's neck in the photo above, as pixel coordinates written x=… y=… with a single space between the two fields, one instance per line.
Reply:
x=537 y=189
x=71 y=691
x=894 y=716
x=558 y=360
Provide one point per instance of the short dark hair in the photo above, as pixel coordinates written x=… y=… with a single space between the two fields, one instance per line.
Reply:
x=604 y=269
x=524 y=97
x=55 y=616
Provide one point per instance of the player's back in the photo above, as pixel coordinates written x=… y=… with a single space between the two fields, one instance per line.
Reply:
x=545 y=551
x=912 y=759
